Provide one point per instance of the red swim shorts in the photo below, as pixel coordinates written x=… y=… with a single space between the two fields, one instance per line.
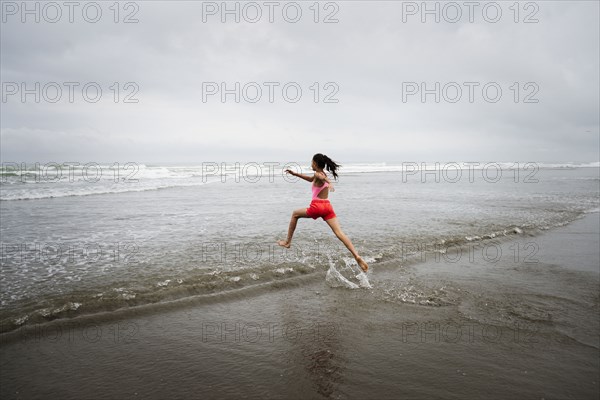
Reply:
x=320 y=208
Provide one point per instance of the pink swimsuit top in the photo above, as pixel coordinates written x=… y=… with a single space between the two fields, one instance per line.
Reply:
x=317 y=189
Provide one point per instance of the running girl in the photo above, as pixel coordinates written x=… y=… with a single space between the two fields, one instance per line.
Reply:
x=320 y=205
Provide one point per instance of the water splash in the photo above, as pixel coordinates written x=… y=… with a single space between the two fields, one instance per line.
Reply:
x=335 y=278
x=363 y=281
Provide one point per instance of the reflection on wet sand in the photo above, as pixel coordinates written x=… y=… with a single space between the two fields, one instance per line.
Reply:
x=318 y=350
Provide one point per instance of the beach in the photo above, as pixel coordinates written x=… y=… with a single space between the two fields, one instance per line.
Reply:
x=458 y=324
x=191 y=192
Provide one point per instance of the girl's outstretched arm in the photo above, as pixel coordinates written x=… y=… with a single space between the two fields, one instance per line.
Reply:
x=305 y=177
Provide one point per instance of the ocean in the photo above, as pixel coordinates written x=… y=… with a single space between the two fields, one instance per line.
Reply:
x=103 y=237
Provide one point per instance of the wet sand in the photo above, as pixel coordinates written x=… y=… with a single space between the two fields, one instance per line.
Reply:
x=522 y=325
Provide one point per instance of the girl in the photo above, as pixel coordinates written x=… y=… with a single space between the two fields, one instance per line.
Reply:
x=320 y=205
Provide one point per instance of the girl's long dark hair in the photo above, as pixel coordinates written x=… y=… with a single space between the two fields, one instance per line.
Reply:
x=325 y=162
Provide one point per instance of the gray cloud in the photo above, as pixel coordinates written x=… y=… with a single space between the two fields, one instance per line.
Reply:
x=369 y=54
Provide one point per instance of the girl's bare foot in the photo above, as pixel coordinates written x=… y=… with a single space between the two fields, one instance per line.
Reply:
x=284 y=243
x=363 y=264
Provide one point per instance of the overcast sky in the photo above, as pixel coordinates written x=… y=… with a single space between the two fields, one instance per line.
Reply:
x=367 y=61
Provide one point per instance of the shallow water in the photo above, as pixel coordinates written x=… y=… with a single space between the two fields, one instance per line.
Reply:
x=78 y=248
x=460 y=330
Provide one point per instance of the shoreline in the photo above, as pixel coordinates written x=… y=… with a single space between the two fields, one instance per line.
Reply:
x=458 y=329
x=10 y=330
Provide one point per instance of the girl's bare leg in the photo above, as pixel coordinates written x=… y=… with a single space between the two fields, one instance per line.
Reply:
x=299 y=213
x=335 y=227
